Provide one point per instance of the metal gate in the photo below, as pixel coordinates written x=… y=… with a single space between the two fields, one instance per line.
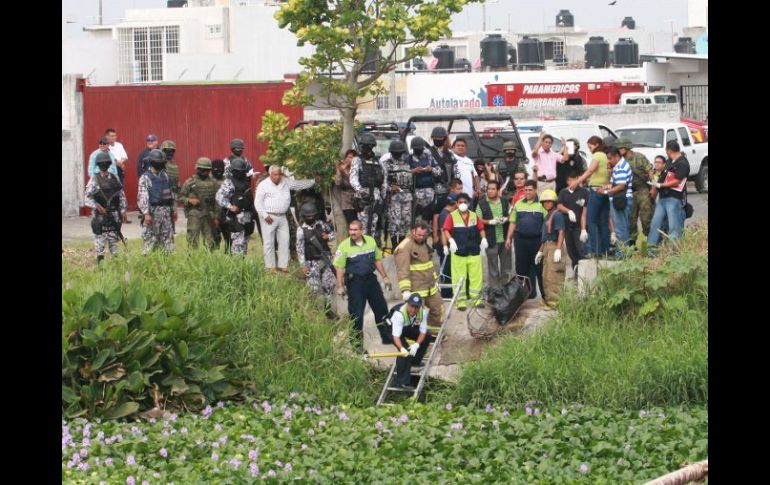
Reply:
x=695 y=102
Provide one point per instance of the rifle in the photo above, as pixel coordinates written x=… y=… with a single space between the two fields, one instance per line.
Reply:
x=313 y=239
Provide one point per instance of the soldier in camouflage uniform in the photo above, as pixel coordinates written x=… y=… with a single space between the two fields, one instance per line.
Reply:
x=447 y=161
x=401 y=183
x=425 y=170
x=235 y=196
x=644 y=205
x=507 y=167
x=236 y=151
x=313 y=252
x=220 y=228
x=168 y=147
x=368 y=176
x=104 y=194
x=200 y=207
x=156 y=203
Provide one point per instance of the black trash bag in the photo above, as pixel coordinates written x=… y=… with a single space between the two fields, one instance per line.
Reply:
x=505 y=300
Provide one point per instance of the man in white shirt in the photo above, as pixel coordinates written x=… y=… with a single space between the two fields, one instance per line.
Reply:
x=409 y=320
x=466 y=169
x=118 y=153
x=271 y=201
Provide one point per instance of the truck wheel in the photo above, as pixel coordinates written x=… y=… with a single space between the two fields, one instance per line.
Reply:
x=702 y=180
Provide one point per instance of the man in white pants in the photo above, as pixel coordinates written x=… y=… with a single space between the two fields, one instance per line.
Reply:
x=271 y=202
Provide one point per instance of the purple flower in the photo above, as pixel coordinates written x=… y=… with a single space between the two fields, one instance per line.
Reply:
x=206 y=411
x=266 y=406
x=100 y=436
x=235 y=463
x=166 y=433
x=254 y=468
x=223 y=439
x=107 y=461
x=288 y=467
x=378 y=424
x=489 y=408
x=457 y=425
x=448 y=406
x=404 y=418
x=321 y=423
x=163 y=452
x=505 y=412
x=220 y=405
x=253 y=455
x=145 y=482
x=130 y=460
x=583 y=468
x=218 y=427
x=83 y=466
x=287 y=414
x=537 y=410
x=76 y=457
x=311 y=432
x=215 y=444
x=215 y=456
x=166 y=424
x=83 y=452
x=130 y=481
x=343 y=416
x=271 y=473
x=528 y=410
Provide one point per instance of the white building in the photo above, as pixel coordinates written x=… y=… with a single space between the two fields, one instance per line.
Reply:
x=211 y=40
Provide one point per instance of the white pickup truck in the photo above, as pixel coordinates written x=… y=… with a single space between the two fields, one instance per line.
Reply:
x=650 y=139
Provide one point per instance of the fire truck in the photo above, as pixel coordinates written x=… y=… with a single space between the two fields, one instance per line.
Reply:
x=559 y=94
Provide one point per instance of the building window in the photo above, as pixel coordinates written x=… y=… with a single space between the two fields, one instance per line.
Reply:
x=214 y=31
x=554 y=50
x=142 y=52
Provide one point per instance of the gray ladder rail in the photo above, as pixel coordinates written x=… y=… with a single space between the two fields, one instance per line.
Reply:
x=434 y=345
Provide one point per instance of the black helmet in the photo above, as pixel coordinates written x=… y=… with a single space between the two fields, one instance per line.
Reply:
x=156 y=155
x=236 y=143
x=439 y=132
x=239 y=167
x=397 y=146
x=103 y=160
x=417 y=142
x=308 y=209
x=367 y=139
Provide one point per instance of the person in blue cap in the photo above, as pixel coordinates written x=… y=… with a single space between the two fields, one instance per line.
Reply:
x=409 y=320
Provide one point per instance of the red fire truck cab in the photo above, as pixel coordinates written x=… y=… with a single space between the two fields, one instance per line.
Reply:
x=559 y=94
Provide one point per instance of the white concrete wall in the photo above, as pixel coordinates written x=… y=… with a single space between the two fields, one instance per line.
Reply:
x=72 y=171
x=677 y=72
x=698 y=13
x=95 y=54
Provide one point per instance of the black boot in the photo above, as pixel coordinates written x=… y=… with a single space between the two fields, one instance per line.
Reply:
x=99 y=259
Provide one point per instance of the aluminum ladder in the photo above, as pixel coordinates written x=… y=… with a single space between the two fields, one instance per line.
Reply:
x=434 y=345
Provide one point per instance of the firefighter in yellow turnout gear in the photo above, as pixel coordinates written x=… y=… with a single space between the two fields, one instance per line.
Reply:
x=416 y=272
x=465 y=238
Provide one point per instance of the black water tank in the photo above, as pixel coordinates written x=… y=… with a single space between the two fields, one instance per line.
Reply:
x=445 y=56
x=494 y=51
x=369 y=60
x=565 y=19
x=628 y=22
x=685 y=45
x=511 y=54
x=597 y=52
x=464 y=64
x=531 y=51
x=176 y=3
x=626 y=52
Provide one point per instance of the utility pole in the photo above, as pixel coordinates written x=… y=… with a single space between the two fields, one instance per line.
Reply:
x=483 y=17
x=100 y=12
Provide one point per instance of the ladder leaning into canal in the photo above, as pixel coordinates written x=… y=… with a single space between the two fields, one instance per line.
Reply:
x=422 y=374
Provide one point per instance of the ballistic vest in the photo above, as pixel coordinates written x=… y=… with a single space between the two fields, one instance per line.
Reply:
x=160 y=188
x=109 y=188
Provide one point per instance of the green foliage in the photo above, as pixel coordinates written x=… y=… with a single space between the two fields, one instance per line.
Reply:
x=279 y=340
x=307 y=151
x=639 y=338
x=418 y=443
x=125 y=351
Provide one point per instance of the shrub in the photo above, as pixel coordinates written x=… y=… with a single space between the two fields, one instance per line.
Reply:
x=124 y=351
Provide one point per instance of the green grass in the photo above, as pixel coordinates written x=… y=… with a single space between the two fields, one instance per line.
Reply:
x=281 y=335
x=606 y=350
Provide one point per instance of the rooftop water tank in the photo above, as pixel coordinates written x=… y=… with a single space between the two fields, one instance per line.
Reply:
x=626 y=52
x=494 y=51
x=685 y=45
x=565 y=19
x=445 y=56
x=531 y=52
x=597 y=52
x=629 y=23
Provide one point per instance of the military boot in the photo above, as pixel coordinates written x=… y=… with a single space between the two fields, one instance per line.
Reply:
x=99 y=259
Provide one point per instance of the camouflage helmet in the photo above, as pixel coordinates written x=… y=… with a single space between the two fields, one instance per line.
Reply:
x=367 y=139
x=608 y=141
x=439 y=132
x=417 y=142
x=103 y=158
x=308 y=209
x=397 y=146
x=168 y=145
x=624 y=142
x=509 y=145
x=156 y=156
x=236 y=143
x=204 y=163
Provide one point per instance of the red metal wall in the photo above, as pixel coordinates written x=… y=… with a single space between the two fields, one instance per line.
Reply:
x=201 y=119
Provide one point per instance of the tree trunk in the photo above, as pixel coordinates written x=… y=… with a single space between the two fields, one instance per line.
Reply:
x=348 y=120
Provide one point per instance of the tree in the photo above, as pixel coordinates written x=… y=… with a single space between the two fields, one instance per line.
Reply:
x=349 y=34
